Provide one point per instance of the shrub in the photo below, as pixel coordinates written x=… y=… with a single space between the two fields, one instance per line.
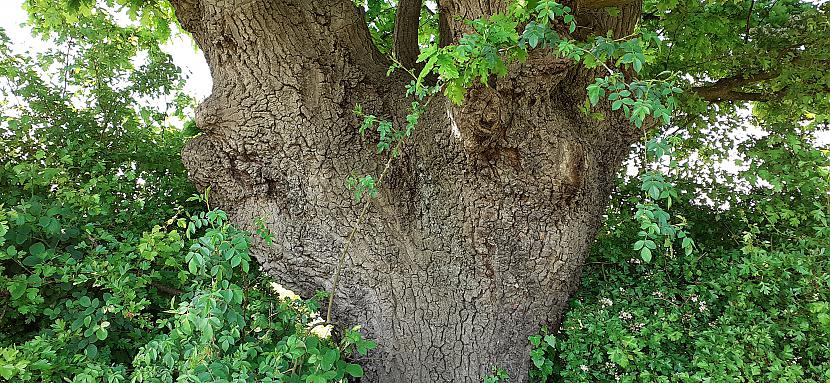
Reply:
x=750 y=304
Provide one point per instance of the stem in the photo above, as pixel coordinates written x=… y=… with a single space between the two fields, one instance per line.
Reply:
x=360 y=217
x=349 y=240
x=748 y=21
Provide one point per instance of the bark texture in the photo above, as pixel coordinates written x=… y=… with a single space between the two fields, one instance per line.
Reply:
x=479 y=234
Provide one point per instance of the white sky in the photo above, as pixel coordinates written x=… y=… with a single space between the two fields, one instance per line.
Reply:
x=182 y=49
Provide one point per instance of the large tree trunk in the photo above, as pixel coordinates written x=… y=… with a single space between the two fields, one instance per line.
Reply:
x=480 y=230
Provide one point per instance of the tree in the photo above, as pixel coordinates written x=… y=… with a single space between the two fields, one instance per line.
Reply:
x=482 y=227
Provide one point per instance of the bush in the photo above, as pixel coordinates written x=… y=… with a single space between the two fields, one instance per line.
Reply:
x=109 y=271
x=751 y=304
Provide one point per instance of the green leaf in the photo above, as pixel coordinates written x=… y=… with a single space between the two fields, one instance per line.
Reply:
x=91 y=351
x=101 y=333
x=455 y=92
x=32 y=260
x=645 y=254
x=328 y=359
x=17 y=289
x=447 y=69
x=37 y=249
x=7 y=371
x=354 y=370
x=594 y=93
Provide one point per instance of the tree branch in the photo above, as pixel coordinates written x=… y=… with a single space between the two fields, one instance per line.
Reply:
x=595 y=19
x=597 y=4
x=187 y=12
x=444 y=32
x=407 y=21
x=166 y=289
x=725 y=88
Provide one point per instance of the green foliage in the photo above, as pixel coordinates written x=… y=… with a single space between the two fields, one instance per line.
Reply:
x=750 y=303
x=109 y=272
x=380 y=17
x=229 y=326
x=362 y=186
x=497 y=375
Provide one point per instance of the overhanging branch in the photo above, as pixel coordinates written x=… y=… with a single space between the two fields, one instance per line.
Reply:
x=597 y=4
x=726 y=89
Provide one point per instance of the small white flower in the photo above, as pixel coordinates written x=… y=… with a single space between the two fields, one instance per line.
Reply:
x=284 y=293
x=583 y=368
x=322 y=331
x=625 y=315
x=605 y=302
x=317 y=327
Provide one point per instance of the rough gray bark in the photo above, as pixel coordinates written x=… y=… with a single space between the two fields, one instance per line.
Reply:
x=479 y=234
x=407 y=18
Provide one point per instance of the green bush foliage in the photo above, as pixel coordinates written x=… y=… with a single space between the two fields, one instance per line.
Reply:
x=751 y=304
x=109 y=270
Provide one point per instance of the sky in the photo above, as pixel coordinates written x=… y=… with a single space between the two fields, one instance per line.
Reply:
x=184 y=53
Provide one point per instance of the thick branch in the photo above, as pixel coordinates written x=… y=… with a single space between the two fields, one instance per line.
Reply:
x=593 y=19
x=167 y=289
x=725 y=88
x=597 y=4
x=732 y=95
x=224 y=29
x=187 y=11
x=444 y=32
x=406 y=31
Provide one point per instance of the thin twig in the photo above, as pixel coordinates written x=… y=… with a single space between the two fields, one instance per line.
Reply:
x=360 y=217
x=748 y=20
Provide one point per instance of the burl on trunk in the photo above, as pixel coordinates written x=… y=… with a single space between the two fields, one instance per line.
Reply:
x=480 y=230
